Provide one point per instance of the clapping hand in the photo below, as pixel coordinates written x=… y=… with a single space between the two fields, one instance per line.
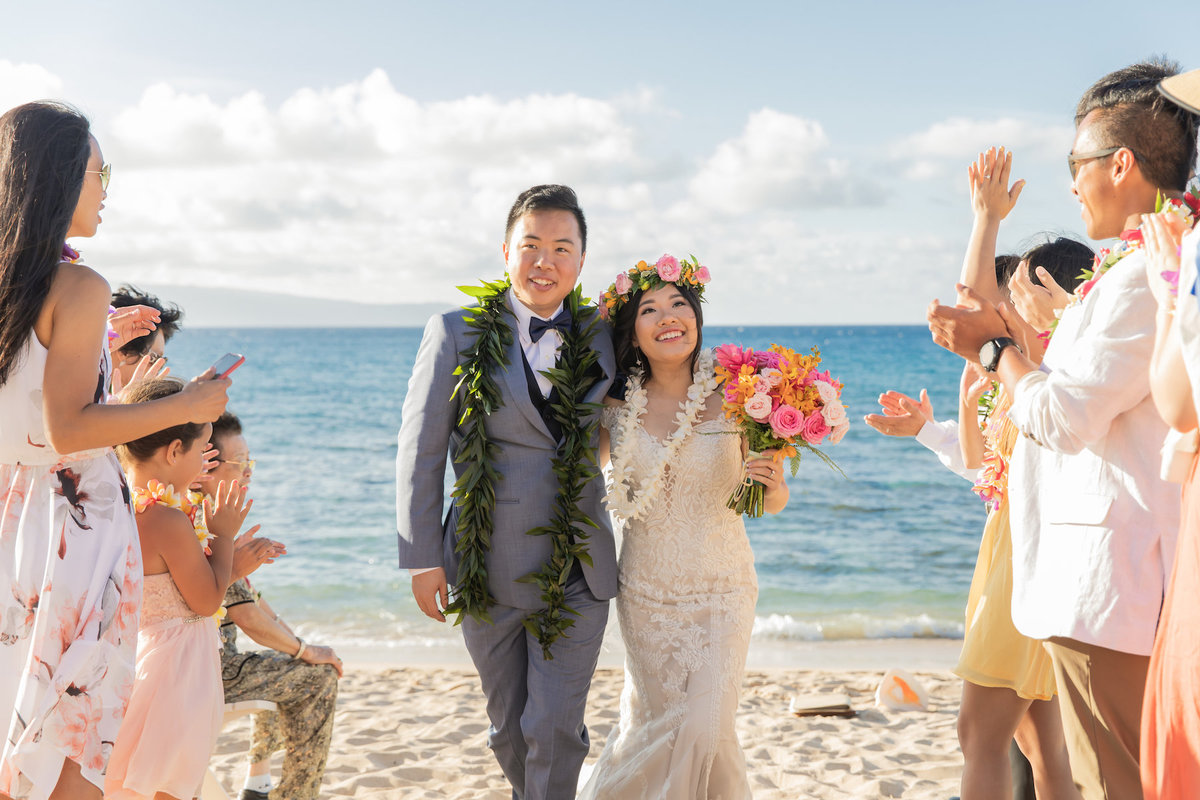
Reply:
x=210 y=463
x=131 y=322
x=250 y=553
x=902 y=415
x=225 y=518
x=1161 y=234
x=987 y=177
x=963 y=328
x=973 y=384
x=1037 y=305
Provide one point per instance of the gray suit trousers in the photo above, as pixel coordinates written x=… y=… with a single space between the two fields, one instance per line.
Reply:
x=536 y=706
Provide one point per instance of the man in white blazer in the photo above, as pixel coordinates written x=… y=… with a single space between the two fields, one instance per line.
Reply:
x=1093 y=524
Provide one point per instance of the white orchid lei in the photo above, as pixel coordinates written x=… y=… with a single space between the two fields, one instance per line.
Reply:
x=625 y=503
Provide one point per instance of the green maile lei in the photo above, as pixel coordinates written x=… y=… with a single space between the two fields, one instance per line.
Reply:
x=574 y=462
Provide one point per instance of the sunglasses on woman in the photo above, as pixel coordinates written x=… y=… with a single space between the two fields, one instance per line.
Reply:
x=105 y=172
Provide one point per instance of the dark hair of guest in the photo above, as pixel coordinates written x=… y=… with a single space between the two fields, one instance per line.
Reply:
x=44 y=151
x=1134 y=114
x=1063 y=257
x=227 y=424
x=169 y=318
x=626 y=320
x=144 y=448
x=547 y=196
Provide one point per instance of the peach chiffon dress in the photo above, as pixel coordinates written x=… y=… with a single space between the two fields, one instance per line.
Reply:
x=175 y=713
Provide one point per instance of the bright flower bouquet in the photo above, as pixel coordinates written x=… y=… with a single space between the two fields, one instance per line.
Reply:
x=781 y=401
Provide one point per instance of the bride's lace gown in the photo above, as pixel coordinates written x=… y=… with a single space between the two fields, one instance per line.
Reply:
x=686 y=609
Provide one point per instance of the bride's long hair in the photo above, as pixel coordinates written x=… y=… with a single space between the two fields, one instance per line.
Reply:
x=626 y=318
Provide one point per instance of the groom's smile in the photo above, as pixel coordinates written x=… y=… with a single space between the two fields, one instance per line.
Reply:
x=544 y=256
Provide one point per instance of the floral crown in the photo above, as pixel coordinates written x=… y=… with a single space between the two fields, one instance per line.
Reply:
x=649 y=277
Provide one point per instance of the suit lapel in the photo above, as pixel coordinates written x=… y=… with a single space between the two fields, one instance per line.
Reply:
x=514 y=380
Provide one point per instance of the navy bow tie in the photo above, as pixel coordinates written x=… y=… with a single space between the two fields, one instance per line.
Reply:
x=539 y=326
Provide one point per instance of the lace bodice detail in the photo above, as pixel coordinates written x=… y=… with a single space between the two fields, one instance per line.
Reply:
x=161 y=601
x=687 y=542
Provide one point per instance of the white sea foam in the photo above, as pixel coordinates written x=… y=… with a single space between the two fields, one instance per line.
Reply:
x=855 y=626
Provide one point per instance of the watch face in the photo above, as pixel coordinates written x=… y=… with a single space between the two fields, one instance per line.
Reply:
x=987 y=354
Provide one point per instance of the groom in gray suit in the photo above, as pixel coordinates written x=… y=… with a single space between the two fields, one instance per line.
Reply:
x=535 y=704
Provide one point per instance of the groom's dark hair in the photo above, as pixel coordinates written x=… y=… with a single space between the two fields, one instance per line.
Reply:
x=548 y=196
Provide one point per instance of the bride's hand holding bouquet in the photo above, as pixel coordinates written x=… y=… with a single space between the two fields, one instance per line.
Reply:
x=783 y=405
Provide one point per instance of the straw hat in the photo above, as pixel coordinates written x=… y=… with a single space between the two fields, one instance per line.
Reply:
x=1183 y=89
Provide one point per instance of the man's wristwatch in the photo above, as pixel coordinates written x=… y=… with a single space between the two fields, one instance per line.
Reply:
x=989 y=354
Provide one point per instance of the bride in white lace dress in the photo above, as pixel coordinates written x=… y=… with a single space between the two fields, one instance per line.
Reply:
x=687 y=583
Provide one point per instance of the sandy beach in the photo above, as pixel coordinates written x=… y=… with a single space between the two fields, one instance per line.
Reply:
x=419 y=731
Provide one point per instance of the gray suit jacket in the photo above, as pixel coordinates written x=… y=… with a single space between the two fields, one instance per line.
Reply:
x=524 y=494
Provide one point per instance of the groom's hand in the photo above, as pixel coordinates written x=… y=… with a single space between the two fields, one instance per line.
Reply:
x=427 y=588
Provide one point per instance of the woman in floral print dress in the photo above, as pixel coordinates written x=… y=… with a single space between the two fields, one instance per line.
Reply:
x=70 y=569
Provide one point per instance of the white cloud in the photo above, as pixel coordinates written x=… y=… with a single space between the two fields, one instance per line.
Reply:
x=21 y=83
x=360 y=192
x=779 y=161
x=948 y=146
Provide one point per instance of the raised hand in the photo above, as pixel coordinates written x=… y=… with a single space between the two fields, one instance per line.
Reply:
x=902 y=415
x=991 y=197
x=131 y=322
x=146 y=369
x=210 y=463
x=1037 y=305
x=1161 y=234
x=226 y=516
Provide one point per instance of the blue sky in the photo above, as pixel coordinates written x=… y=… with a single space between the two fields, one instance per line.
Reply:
x=812 y=155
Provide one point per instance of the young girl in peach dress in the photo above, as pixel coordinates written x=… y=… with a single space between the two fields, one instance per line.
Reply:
x=175 y=711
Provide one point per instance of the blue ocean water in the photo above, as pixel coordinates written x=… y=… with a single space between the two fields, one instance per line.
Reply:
x=885 y=552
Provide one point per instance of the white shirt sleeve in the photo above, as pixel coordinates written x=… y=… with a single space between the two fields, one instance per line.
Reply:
x=942 y=439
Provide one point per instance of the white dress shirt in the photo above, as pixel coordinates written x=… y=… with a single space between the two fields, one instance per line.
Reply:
x=543 y=353
x=1093 y=524
x=942 y=439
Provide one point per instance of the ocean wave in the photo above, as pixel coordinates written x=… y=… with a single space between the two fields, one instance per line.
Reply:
x=855 y=626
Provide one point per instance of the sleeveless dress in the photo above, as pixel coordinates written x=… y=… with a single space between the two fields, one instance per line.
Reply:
x=178 y=703
x=1170 y=741
x=686 y=609
x=994 y=653
x=70 y=589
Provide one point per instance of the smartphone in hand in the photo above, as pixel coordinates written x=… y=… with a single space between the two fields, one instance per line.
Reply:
x=227 y=364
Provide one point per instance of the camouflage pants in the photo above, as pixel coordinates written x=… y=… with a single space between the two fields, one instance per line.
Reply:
x=306 y=695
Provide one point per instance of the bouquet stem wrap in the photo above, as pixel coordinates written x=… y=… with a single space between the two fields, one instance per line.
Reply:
x=747 y=498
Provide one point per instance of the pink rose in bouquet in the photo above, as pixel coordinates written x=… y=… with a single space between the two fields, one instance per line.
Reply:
x=786 y=421
x=759 y=407
x=772 y=376
x=815 y=428
x=668 y=268
x=761 y=385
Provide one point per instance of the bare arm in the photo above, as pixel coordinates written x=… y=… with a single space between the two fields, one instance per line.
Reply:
x=992 y=201
x=72 y=326
x=259 y=623
x=972 y=386
x=1169 y=383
